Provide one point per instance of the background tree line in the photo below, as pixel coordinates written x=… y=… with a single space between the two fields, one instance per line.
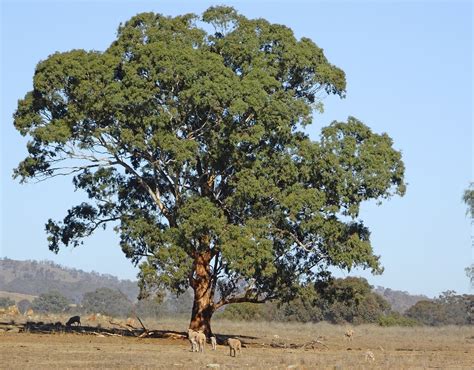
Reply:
x=350 y=300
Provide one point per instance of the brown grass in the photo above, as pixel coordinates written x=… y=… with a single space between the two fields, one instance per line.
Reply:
x=445 y=347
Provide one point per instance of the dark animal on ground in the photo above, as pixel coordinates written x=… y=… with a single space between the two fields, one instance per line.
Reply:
x=74 y=319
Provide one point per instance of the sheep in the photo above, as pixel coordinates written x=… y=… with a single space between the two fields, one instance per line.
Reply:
x=213 y=343
x=201 y=340
x=234 y=346
x=74 y=319
x=349 y=334
x=369 y=355
x=193 y=340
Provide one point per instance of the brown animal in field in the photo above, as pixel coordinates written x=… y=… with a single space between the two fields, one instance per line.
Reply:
x=234 y=346
x=213 y=343
x=30 y=312
x=72 y=320
x=349 y=334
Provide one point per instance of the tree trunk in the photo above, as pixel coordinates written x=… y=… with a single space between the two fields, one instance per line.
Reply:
x=201 y=315
x=203 y=305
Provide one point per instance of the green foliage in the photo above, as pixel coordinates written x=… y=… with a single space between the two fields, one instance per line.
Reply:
x=470 y=274
x=351 y=300
x=192 y=144
x=6 y=302
x=50 y=302
x=396 y=319
x=243 y=312
x=338 y=301
x=468 y=198
x=447 y=309
x=106 y=301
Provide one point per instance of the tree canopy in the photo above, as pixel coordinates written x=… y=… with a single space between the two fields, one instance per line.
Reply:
x=187 y=134
x=106 y=301
x=50 y=302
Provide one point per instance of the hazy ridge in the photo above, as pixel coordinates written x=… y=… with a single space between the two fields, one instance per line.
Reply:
x=33 y=278
x=36 y=277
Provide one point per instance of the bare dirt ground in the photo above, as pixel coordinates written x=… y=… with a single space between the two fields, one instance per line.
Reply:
x=397 y=348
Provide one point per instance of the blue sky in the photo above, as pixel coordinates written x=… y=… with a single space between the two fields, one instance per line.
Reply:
x=409 y=73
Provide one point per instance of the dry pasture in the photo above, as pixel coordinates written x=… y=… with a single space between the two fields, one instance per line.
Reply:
x=267 y=346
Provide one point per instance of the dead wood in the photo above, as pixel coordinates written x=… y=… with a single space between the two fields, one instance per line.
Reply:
x=174 y=336
x=312 y=344
x=146 y=334
x=122 y=326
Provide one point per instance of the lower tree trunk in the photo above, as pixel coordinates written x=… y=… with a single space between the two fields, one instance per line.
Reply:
x=203 y=305
x=201 y=315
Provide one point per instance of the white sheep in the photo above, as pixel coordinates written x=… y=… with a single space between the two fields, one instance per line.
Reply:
x=213 y=343
x=192 y=336
x=234 y=346
x=369 y=355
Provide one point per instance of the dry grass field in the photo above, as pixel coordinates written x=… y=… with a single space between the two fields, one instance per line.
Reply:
x=396 y=348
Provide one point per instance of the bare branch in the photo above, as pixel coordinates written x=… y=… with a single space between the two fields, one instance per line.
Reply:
x=295 y=238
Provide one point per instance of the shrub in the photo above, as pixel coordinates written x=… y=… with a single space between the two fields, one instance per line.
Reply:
x=396 y=319
x=50 y=302
x=242 y=312
x=6 y=302
x=107 y=301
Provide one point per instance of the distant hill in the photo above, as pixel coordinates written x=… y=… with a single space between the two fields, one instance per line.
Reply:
x=33 y=278
x=400 y=301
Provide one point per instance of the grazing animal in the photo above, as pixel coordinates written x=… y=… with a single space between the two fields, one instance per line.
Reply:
x=369 y=355
x=349 y=334
x=234 y=346
x=192 y=336
x=201 y=340
x=197 y=339
x=74 y=319
x=213 y=343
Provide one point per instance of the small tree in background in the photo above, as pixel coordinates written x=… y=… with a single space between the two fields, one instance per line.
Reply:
x=6 y=302
x=447 y=309
x=468 y=198
x=106 y=301
x=50 y=302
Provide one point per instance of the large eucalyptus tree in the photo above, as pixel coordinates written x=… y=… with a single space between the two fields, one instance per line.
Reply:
x=187 y=134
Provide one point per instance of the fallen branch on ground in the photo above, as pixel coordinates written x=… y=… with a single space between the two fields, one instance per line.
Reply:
x=312 y=344
x=122 y=326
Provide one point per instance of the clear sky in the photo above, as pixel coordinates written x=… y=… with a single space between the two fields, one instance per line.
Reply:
x=409 y=73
